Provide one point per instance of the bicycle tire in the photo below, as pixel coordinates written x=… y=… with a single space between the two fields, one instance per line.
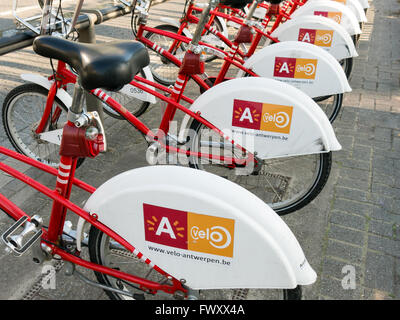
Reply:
x=331 y=105
x=284 y=190
x=347 y=65
x=159 y=63
x=20 y=140
x=99 y=243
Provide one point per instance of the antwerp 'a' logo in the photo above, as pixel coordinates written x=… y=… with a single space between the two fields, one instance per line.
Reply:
x=189 y=230
x=321 y=38
x=262 y=116
x=295 y=68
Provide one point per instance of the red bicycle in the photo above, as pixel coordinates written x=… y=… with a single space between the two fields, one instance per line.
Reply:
x=174 y=39
x=193 y=236
x=280 y=161
x=122 y=270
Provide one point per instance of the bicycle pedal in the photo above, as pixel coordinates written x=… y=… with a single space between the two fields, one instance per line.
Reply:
x=19 y=243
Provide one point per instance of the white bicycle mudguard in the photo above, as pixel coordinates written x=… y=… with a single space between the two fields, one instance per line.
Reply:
x=364 y=4
x=303 y=65
x=354 y=6
x=201 y=228
x=320 y=31
x=266 y=116
x=260 y=12
x=332 y=10
x=46 y=83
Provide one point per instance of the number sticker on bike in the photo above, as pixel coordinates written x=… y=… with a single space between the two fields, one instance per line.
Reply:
x=262 y=116
x=321 y=38
x=188 y=230
x=295 y=68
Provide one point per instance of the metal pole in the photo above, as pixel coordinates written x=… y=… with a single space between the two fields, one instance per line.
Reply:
x=87 y=34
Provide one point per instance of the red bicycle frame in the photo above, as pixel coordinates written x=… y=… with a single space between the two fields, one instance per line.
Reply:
x=64 y=77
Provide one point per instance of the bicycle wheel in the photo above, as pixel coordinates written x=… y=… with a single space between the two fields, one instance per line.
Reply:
x=22 y=111
x=285 y=184
x=164 y=71
x=105 y=252
x=347 y=65
x=331 y=105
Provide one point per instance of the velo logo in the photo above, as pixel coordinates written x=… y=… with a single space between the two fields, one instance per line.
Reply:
x=295 y=68
x=188 y=230
x=262 y=116
x=335 y=16
x=321 y=38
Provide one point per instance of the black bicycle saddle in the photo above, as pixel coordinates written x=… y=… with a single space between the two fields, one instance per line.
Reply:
x=109 y=65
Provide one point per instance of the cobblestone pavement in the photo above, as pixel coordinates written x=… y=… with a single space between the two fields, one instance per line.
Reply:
x=354 y=224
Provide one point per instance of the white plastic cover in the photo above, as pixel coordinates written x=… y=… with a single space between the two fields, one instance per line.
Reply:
x=320 y=31
x=202 y=228
x=364 y=3
x=267 y=116
x=354 y=6
x=332 y=10
x=303 y=65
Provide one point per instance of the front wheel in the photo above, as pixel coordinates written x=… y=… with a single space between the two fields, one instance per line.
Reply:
x=22 y=112
x=286 y=184
x=104 y=251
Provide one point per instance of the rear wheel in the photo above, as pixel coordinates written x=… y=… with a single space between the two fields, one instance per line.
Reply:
x=285 y=184
x=331 y=105
x=347 y=65
x=104 y=251
x=22 y=112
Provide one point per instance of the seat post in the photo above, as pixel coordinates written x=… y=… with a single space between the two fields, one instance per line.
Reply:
x=88 y=35
x=78 y=99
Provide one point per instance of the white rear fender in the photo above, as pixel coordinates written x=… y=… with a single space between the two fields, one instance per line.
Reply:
x=364 y=4
x=260 y=12
x=201 y=228
x=320 y=31
x=266 y=116
x=303 y=65
x=333 y=10
x=46 y=83
x=354 y=6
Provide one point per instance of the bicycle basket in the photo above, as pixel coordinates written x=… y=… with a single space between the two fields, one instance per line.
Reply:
x=238 y=4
